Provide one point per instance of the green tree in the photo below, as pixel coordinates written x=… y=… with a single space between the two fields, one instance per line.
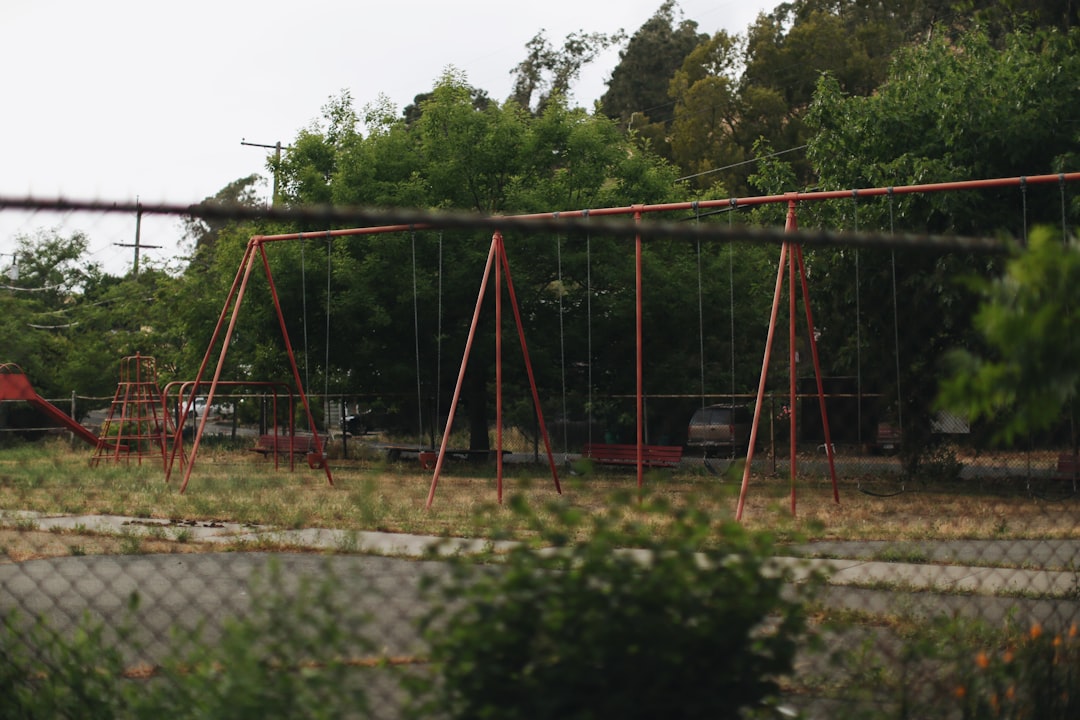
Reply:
x=43 y=306
x=456 y=153
x=1025 y=376
x=708 y=112
x=240 y=193
x=637 y=93
x=546 y=72
x=950 y=110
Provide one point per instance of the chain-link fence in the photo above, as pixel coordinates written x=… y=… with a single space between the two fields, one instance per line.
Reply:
x=931 y=556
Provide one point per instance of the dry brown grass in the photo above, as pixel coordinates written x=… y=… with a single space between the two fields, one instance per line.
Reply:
x=374 y=495
x=23 y=545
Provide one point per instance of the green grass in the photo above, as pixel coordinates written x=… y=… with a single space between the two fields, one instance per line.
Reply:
x=375 y=495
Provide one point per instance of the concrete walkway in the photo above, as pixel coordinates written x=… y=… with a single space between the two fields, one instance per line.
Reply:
x=1032 y=568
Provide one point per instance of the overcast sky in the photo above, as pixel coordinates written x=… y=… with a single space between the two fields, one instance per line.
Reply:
x=122 y=99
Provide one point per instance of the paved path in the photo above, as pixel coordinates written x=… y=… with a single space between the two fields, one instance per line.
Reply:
x=988 y=578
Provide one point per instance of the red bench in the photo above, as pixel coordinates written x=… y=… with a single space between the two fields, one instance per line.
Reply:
x=290 y=445
x=284 y=444
x=1068 y=467
x=666 y=456
x=888 y=437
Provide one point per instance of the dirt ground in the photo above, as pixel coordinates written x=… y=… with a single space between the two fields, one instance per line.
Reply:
x=22 y=545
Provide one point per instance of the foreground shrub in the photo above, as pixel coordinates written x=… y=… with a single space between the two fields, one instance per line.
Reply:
x=951 y=668
x=46 y=675
x=657 y=613
x=1031 y=675
x=287 y=658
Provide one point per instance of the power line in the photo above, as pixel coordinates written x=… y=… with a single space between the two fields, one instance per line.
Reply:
x=744 y=162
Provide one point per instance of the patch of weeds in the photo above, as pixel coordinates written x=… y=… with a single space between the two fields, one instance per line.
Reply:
x=26 y=525
x=182 y=536
x=56 y=530
x=349 y=542
x=902 y=554
x=77 y=550
x=130 y=544
x=157 y=532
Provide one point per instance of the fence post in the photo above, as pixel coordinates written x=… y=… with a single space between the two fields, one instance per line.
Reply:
x=71 y=434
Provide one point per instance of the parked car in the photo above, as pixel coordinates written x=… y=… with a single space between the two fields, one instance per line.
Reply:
x=356 y=423
x=720 y=429
x=216 y=410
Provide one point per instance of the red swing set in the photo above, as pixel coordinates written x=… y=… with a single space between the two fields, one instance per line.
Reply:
x=497 y=263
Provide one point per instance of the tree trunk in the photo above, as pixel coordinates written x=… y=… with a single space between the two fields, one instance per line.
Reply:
x=476 y=406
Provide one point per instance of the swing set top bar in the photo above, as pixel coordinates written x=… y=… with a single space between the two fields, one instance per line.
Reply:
x=429 y=221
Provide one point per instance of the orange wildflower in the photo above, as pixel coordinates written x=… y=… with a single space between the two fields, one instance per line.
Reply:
x=960 y=692
x=1036 y=631
x=982 y=660
x=1073 y=630
x=1010 y=693
x=1007 y=656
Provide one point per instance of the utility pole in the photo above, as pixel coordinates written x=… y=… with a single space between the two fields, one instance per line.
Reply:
x=276 y=147
x=137 y=244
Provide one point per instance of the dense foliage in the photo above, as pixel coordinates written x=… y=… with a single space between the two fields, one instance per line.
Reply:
x=817 y=93
x=692 y=622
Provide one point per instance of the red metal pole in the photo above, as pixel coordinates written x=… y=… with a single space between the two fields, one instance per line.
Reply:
x=817 y=374
x=640 y=357
x=461 y=373
x=249 y=257
x=235 y=291
x=500 y=252
x=761 y=381
x=529 y=371
x=792 y=225
x=296 y=375
x=638 y=210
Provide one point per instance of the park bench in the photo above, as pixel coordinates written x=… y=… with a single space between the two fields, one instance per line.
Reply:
x=285 y=445
x=1068 y=467
x=666 y=456
x=888 y=437
x=1059 y=483
x=291 y=445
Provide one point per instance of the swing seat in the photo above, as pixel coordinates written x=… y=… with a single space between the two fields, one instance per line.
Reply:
x=316 y=461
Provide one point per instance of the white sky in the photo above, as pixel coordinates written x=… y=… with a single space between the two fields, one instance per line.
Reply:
x=122 y=99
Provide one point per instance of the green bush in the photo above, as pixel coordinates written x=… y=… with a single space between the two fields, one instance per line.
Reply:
x=954 y=668
x=660 y=612
x=288 y=658
x=46 y=675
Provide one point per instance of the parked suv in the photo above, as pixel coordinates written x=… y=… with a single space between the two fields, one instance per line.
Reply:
x=719 y=428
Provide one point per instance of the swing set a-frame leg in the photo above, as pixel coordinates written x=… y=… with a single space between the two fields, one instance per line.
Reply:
x=792 y=254
x=497 y=262
x=234 y=299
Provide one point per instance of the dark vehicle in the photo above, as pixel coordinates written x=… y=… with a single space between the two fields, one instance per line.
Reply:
x=720 y=429
x=356 y=423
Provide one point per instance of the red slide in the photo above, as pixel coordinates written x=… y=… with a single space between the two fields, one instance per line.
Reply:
x=14 y=385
